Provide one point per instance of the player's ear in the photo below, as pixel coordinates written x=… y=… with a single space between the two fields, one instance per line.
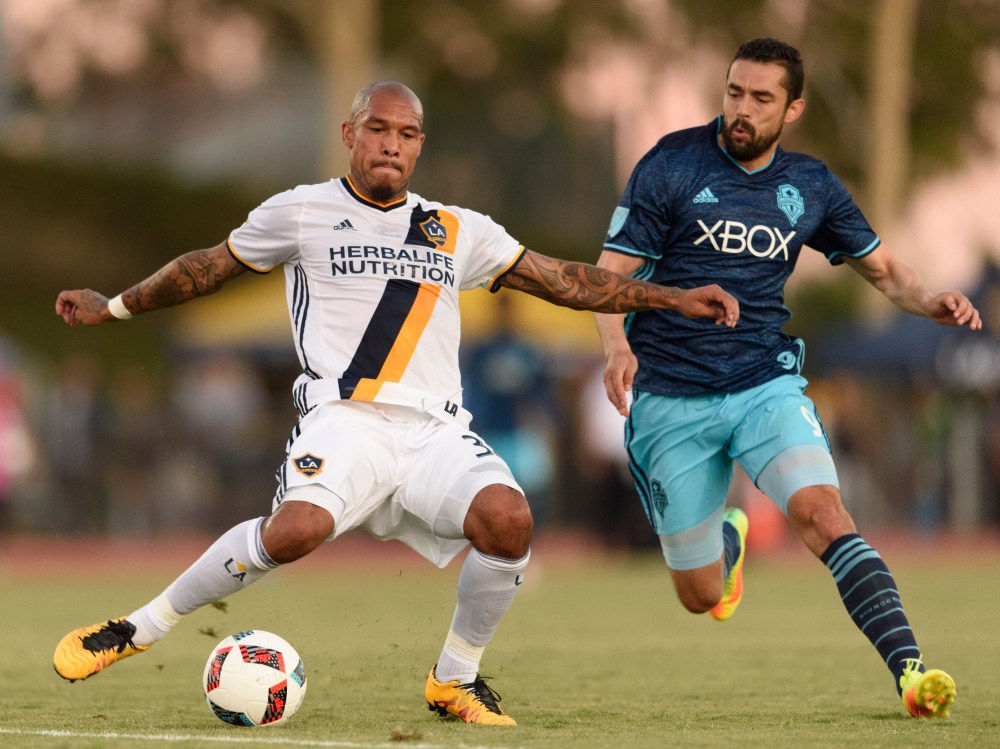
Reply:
x=347 y=134
x=794 y=110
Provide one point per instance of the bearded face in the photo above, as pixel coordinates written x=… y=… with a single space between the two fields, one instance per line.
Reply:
x=744 y=142
x=755 y=109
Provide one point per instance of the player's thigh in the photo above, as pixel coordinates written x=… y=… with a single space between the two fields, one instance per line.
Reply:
x=447 y=469
x=781 y=442
x=693 y=555
x=341 y=457
x=678 y=457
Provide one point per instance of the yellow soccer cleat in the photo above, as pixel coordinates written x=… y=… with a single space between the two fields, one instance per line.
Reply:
x=926 y=694
x=473 y=703
x=733 y=590
x=87 y=650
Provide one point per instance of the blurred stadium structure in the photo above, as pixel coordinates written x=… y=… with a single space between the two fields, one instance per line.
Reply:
x=133 y=130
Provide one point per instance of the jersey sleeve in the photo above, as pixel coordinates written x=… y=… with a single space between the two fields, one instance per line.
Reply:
x=844 y=232
x=641 y=222
x=270 y=235
x=493 y=252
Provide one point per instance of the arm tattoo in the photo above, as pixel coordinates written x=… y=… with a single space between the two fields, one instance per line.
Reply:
x=585 y=286
x=195 y=274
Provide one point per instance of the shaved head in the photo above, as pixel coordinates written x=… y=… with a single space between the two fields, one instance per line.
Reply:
x=362 y=105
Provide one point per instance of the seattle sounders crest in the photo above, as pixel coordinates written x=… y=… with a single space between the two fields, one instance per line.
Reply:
x=791 y=203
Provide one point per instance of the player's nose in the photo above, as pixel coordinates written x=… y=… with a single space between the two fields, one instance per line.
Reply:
x=390 y=144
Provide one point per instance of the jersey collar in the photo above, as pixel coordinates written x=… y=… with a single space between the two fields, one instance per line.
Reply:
x=353 y=192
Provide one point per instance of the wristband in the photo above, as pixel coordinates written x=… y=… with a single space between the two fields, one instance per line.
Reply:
x=117 y=308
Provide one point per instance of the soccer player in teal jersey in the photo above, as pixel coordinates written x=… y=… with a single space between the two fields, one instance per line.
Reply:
x=723 y=203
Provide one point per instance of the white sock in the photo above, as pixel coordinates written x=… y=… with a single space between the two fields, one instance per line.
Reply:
x=486 y=589
x=233 y=562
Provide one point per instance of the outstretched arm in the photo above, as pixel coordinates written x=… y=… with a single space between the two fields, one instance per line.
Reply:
x=904 y=288
x=606 y=288
x=585 y=286
x=194 y=274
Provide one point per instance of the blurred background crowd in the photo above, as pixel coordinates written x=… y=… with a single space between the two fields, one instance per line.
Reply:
x=134 y=130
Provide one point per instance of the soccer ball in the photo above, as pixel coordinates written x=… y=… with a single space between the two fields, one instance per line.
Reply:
x=254 y=678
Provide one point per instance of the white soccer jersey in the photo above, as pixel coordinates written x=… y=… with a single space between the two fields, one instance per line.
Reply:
x=373 y=289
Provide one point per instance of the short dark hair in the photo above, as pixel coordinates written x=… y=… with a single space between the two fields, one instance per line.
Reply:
x=785 y=55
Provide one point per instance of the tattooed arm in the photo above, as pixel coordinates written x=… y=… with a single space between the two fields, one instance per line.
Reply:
x=584 y=286
x=606 y=288
x=197 y=273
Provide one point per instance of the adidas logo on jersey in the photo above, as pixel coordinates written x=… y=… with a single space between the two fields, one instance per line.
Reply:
x=705 y=196
x=345 y=224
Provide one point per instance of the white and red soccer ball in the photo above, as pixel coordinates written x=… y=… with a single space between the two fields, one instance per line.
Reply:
x=254 y=678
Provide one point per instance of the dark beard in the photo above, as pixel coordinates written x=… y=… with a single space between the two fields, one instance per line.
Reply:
x=754 y=147
x=383 y=193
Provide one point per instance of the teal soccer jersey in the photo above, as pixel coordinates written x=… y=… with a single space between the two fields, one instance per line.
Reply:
x=696 y=217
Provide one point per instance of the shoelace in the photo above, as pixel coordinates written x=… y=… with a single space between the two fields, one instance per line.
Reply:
x=910 y=665
x=486 y=694
x=112 y=636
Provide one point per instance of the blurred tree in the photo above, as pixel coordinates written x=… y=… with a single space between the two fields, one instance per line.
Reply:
x=949 y=41
x=65 y=225
x=500 y=137
x=344 y=41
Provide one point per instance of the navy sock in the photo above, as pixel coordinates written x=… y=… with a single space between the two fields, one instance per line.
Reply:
x=730 y=548
x=870 y=596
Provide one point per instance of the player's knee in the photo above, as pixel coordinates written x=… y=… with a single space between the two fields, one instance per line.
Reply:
x=499 y=522
x=698 y=601
x=819 y=516
x=294 y=530
x=699 y=589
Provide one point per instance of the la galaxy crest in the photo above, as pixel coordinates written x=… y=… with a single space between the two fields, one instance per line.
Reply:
x=309 y=465
x=435 y=231
x=791 y=203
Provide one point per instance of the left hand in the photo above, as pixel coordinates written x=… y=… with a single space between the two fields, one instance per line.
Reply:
x=953 y=308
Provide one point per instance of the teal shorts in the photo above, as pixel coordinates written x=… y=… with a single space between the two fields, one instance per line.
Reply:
x=681 y=450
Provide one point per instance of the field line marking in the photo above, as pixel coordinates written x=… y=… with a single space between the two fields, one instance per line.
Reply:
x=269 y=741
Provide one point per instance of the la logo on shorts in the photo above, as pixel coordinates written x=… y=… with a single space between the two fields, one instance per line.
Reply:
x=309 y=465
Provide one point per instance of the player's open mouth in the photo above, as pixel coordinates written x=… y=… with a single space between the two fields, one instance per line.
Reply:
x=741 y=131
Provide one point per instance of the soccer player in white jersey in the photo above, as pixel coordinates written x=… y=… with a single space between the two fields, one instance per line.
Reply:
x=382 y=443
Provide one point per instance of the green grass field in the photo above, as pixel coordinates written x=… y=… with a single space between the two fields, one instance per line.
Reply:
x=595 y=653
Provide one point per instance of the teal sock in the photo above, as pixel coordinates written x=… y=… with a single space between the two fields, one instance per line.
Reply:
x=870 y=596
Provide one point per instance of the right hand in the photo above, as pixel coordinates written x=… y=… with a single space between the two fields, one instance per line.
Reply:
x=619 y=371
x=710 y=301
x=83 y=307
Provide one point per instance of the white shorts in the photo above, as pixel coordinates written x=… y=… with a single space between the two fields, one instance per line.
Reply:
x=394 y=471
